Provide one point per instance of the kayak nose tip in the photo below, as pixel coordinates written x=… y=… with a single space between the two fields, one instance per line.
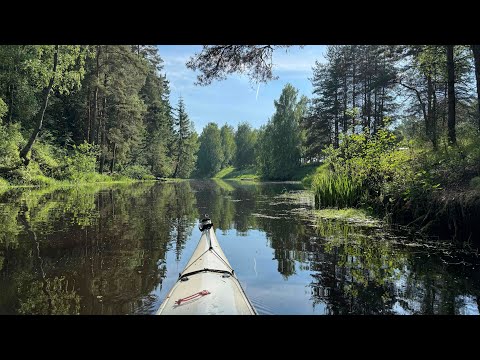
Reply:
x=205 y=223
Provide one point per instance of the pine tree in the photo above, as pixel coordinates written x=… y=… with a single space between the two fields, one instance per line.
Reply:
x=186 y=143
x=158 y=124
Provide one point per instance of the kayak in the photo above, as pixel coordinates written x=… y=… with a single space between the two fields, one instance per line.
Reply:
x=208 y=284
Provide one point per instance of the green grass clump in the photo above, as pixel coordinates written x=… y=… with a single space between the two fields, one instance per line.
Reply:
x=336 y=190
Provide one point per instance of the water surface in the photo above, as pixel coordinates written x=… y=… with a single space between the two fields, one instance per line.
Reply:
x=119 y=249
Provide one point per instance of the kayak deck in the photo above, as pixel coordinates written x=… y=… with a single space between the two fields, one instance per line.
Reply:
x=207 y=285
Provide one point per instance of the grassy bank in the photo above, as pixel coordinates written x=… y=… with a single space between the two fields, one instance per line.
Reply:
x=231 y=173
x=96 y=178
x=304 y=173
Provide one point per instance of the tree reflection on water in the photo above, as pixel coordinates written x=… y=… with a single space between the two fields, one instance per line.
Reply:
x=103 y=250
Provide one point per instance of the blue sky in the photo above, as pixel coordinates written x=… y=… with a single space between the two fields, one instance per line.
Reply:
x=235 y=100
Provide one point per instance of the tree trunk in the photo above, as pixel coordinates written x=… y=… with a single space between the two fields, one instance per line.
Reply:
x=365 y=124
x=382 y=103
x=176 y=170
x=336 y=120
x=102 y=160
x=451 y=95
x=369 y=103
x=94 y=133
x=112 y=164
x=345 y=99
x=476 y=57
x=103 y=128
x=444 y=115
x=433 y=123
x=353 y=88
x=10 y=108
x=46 y=94
x=422 y=104
x=375 y=97
x=430 y=120
x=89 y=115
x=375 y=111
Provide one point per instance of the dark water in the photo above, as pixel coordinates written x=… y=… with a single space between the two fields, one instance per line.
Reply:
x=119 y=249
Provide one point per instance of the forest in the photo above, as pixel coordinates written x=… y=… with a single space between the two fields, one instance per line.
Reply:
x=393 y=128
x=78 y=113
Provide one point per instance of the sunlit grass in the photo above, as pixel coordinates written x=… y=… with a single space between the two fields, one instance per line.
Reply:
x=224 y=172
x=347 y=213
x=333 y=190
x=232 y=173
x=89 y=179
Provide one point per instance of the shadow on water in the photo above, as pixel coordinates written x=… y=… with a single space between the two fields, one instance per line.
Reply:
x=117 y=250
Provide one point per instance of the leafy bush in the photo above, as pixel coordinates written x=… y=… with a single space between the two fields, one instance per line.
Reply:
x=365 y=168
x=10 y=141
x=48 y=158
x=137 y=172
x=30 y=175
x=81 y=164
x=3 y=182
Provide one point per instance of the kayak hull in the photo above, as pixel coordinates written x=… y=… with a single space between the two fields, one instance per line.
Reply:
x=208 y=285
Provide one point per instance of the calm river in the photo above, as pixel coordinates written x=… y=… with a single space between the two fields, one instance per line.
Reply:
x=118 y=250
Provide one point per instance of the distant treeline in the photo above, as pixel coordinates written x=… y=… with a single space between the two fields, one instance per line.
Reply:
x=107 y=107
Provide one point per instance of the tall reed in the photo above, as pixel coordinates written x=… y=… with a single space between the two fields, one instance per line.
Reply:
x=336 y=190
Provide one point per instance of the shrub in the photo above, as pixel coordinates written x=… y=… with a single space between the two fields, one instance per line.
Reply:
x=10 y=141
x=48 y=158
x=30 y=175
x=137 y=172
x=3 y=182
x=81 y=164
x=365 y=168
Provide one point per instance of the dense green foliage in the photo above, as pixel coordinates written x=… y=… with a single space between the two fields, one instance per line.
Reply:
x=186 y=144
x=211 y=154
x=280 y=140
x=227 y=134
x=397 y=130
x=69 y=112
x=246 y=142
